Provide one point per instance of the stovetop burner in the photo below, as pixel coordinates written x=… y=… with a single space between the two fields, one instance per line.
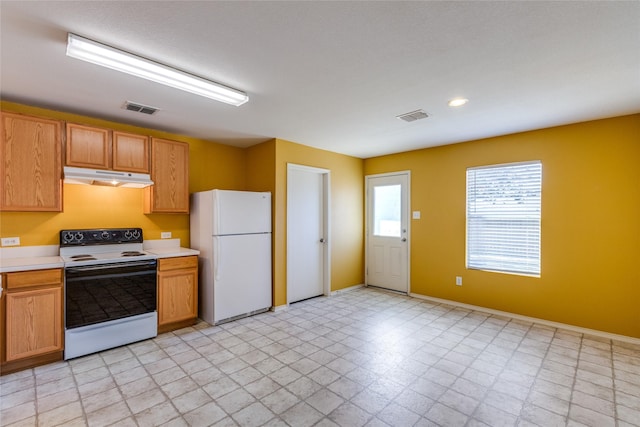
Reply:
x=82 y=257
x=132 y=253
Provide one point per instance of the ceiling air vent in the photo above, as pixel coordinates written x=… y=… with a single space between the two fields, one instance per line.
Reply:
x=144 y=109
x=413 y=116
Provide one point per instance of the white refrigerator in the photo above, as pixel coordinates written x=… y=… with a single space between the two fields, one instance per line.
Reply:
x=232 y=231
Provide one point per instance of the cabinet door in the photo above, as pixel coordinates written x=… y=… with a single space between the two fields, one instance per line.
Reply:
x=130 y=152
x=170 y=174
x=177 y=296
x=30 y=164
x=2 y=328
x=33 y=322
x=88 y=147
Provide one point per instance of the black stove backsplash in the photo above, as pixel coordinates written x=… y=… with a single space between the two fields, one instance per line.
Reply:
x=100 y=236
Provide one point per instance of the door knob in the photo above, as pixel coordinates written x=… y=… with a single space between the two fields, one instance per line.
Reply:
x=322 y=240
x=404 y=239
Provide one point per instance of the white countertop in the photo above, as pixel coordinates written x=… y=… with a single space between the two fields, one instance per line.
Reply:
x=25 y=258
x=172 y=252
x=167 y=248
x=8 y=265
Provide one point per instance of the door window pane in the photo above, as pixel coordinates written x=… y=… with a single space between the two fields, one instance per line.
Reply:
x=387 y=210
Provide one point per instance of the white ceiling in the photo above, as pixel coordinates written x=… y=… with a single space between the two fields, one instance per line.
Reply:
x=334 y=75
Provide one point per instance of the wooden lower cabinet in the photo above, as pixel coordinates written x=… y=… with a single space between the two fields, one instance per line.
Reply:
x=33 y=321
x=2 y=322
x=177 y=292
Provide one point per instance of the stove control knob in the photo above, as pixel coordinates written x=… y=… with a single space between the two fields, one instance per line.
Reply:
x=67 y=237
x=136 y=234
x=127 y=234
x=105 y=235
x=79 y=236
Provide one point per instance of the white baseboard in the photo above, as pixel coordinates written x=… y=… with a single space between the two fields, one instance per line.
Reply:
x=279 y=308
x=284 y=307
x=602 y=334
x=348 y=289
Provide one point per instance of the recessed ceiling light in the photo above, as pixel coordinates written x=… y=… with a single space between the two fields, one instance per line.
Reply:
x=458 y=102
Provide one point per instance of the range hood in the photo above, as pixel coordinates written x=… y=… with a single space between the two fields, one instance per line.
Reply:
x=106 y=177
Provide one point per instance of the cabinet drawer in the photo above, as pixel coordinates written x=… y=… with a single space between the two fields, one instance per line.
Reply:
x=165 y=264
x=25 y=279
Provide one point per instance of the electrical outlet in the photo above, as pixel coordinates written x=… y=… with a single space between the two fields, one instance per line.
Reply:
x=458 y=280
x=416 y=215
x=165 y=235
x=10 y=241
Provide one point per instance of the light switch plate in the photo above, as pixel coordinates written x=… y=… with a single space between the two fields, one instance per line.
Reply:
x=165 y=235
x=416 y=215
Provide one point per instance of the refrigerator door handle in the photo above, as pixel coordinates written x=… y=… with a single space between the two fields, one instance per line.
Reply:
x=216 y=261
x=216 y=213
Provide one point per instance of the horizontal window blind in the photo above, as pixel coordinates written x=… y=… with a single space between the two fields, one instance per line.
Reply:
x=503 y=217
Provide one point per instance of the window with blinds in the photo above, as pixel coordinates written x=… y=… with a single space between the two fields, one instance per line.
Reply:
x=503 y=218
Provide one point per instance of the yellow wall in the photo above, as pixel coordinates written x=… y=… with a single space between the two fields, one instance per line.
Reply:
x=590 y=224
x=261 y=167
x=347 y=263
x=260 y=176
x=211 y=166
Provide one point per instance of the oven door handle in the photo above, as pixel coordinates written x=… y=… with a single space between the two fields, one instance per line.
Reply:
x=111 y=266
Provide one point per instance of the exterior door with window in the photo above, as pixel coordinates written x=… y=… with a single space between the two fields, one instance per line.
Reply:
x=387 y=254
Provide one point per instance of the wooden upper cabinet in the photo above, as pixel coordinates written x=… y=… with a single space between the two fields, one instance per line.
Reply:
x=30 y=163
x=130 y=152
x=170 y=174
x=96 y=148
x=88 y=147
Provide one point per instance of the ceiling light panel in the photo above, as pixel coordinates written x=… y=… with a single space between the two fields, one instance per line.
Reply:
x=109 y=57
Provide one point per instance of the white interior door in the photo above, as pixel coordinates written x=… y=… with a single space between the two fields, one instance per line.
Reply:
x=307 y=231
x=387 y=247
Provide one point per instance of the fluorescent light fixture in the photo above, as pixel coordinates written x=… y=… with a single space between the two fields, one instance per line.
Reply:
x=107 y=56
x=458 y=102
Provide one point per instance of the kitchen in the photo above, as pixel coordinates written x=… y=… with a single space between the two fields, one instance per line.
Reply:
x=99 y=206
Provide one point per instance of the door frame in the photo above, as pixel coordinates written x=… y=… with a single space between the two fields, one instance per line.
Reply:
x=366 y=223
x=326 y=222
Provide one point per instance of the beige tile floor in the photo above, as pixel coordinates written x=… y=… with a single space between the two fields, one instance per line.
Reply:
x=364 y=357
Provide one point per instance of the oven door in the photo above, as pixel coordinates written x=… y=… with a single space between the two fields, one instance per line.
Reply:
x=105 y=292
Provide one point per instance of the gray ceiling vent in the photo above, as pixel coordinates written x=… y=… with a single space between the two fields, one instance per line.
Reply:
x=413 y=116
x=144 y=109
